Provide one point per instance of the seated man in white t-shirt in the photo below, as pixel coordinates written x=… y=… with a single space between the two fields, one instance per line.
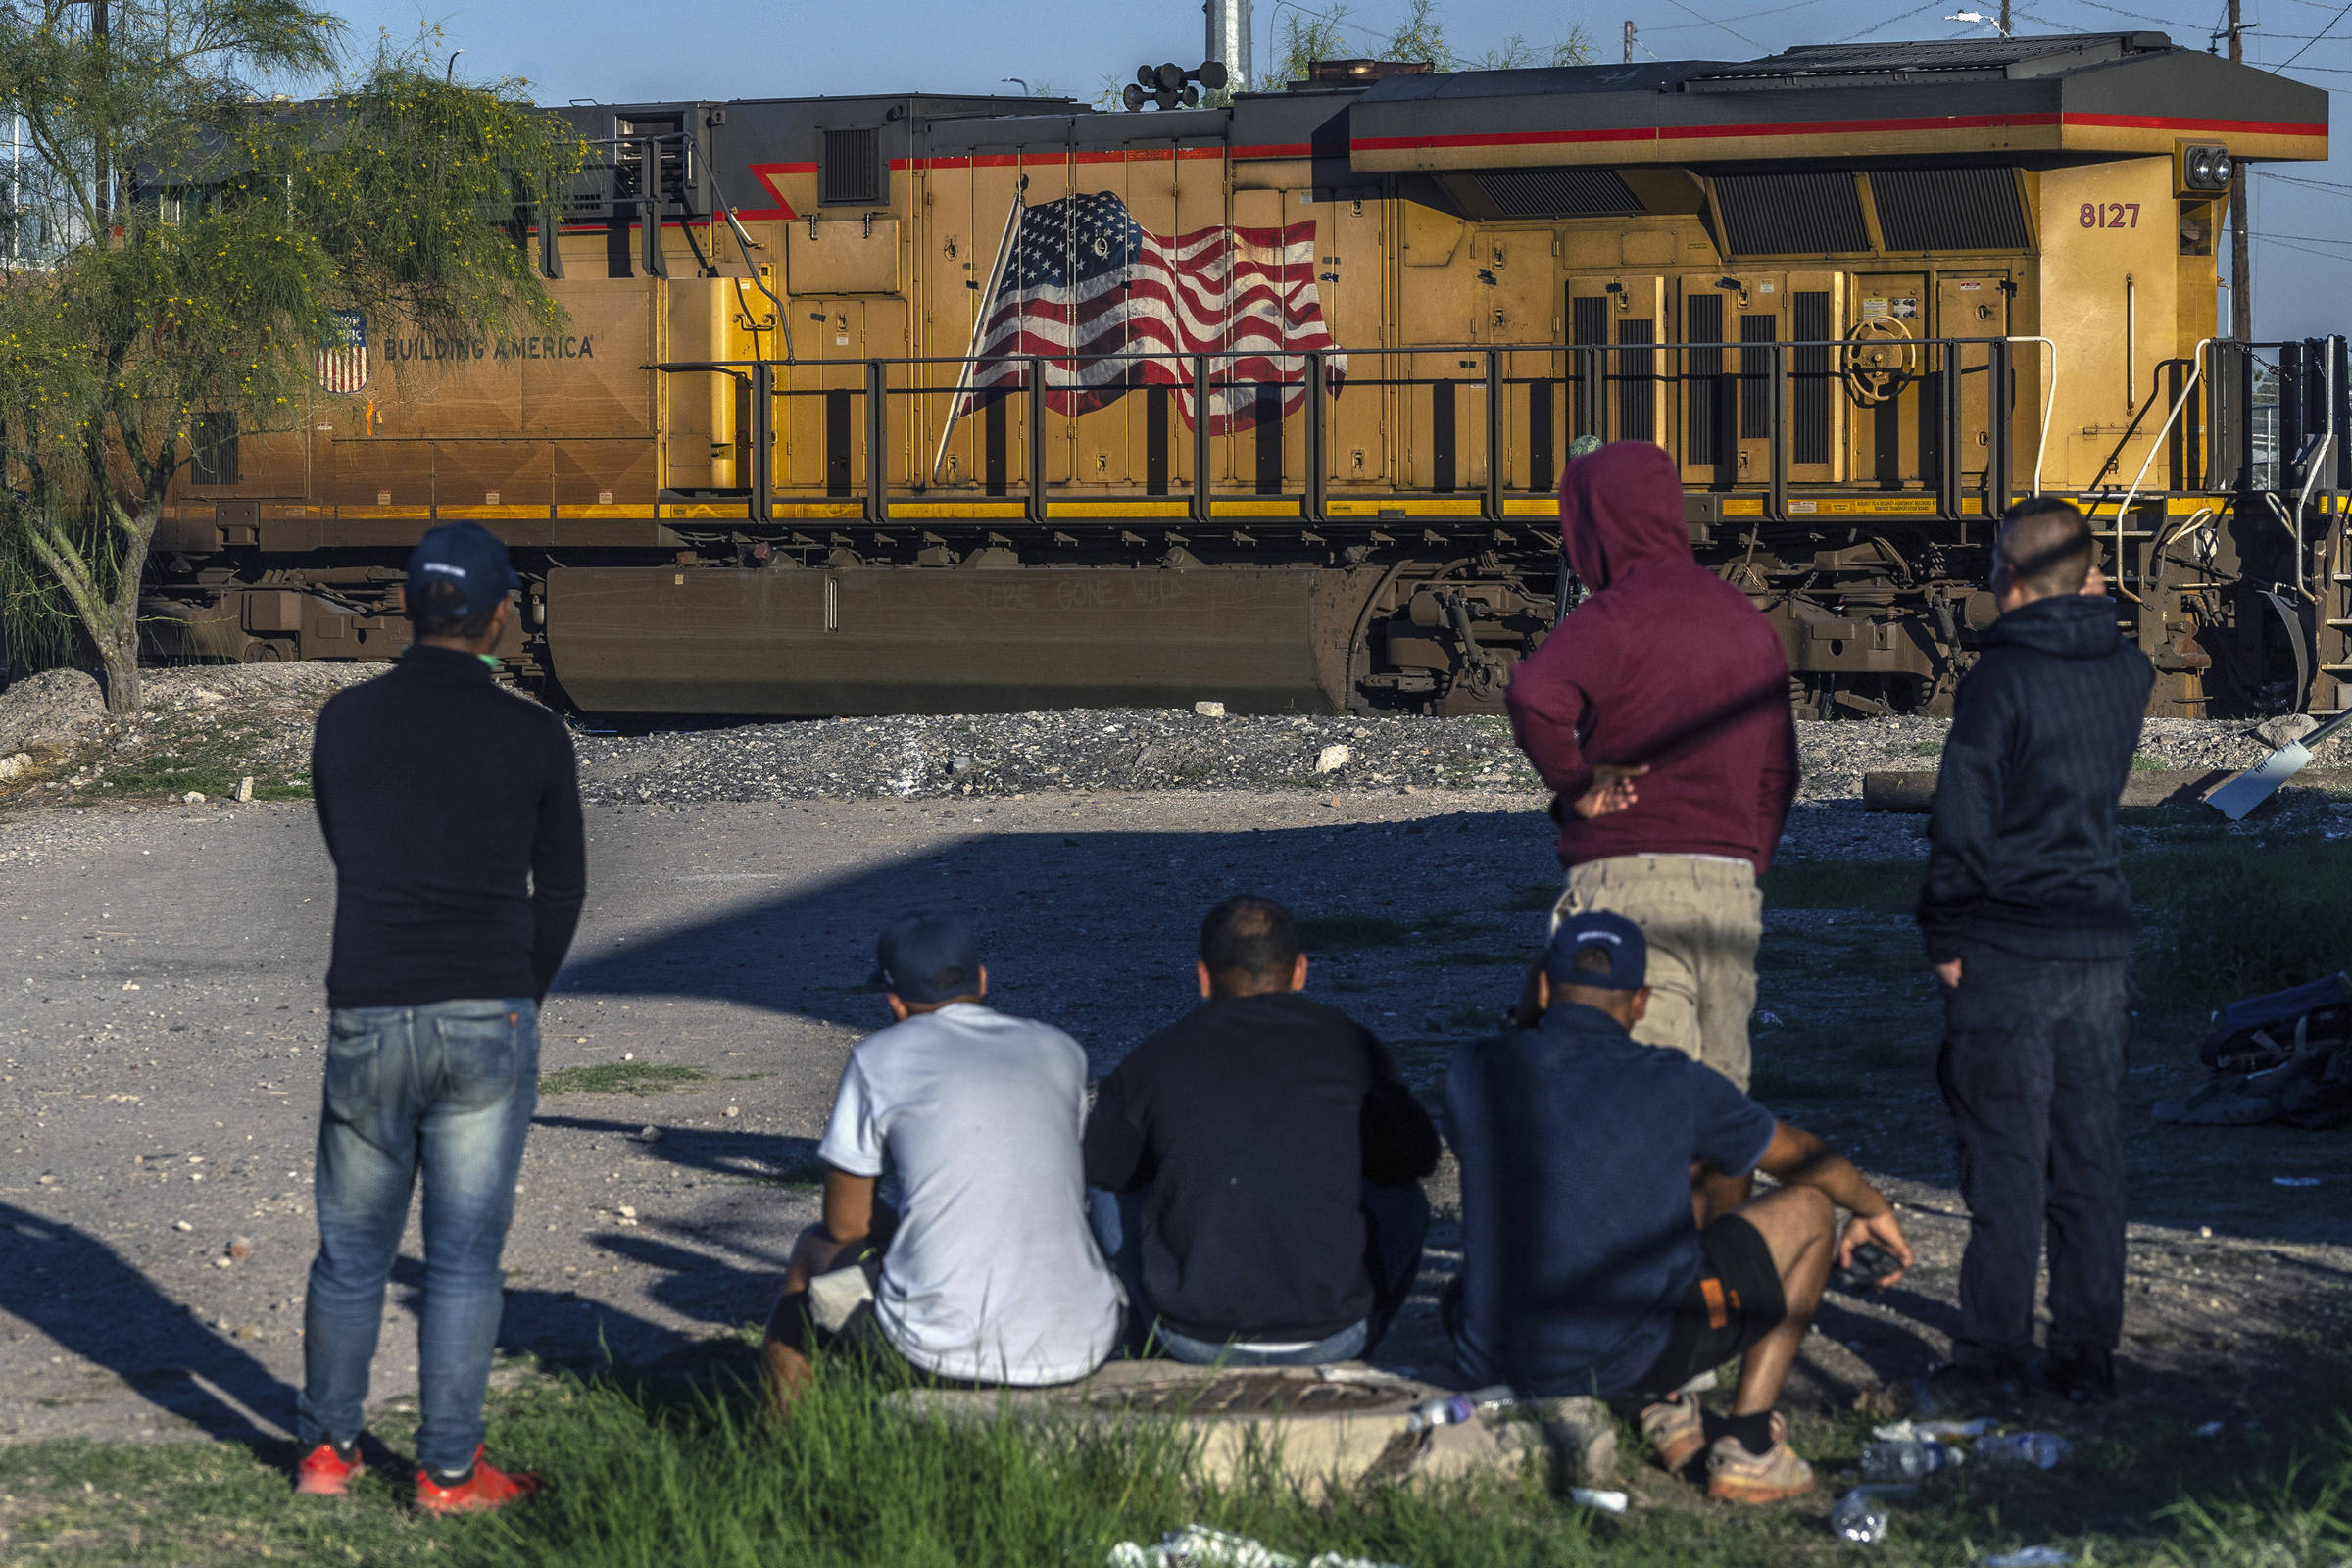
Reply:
x=988 y=1275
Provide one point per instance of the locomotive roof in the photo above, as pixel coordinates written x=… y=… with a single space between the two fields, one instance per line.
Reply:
x=2034 y=101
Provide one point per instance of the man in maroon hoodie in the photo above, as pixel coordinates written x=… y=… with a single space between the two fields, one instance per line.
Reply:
x=1658 y=712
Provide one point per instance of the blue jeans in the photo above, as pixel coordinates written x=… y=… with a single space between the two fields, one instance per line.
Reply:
x=1396 y=1221
x=450 y=1087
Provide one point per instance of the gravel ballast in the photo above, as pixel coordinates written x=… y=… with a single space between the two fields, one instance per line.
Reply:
x=207 y=729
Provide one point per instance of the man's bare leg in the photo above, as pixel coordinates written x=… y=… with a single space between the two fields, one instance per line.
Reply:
x=1799 y=1225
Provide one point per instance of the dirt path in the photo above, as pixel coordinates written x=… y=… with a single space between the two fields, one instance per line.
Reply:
x=161 y=1027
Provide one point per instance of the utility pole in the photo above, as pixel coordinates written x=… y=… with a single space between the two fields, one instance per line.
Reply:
x=2241 y=271
x=1629 y=38
x=2005 y=19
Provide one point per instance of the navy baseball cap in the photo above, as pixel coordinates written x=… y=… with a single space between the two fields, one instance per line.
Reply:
x=1597 y=932
x=467 y=557
x=925 y=957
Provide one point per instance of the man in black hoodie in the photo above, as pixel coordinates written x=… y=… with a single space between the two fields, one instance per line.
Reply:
x=2027 y=923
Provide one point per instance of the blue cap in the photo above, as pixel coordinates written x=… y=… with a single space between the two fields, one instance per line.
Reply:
x=925 y=957
x=1597 y=932
x=467 y=557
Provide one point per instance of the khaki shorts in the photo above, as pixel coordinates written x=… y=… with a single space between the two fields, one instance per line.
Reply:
x=1702 y=919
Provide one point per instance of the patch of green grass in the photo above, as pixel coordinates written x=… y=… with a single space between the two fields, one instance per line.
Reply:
x=2150 y=763
x=1883 y=887
x=1925 y=747
x=661 y=1467
x=2228 y=922
x=620 y=1078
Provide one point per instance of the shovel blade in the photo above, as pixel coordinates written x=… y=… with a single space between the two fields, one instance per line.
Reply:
x=2239 y=794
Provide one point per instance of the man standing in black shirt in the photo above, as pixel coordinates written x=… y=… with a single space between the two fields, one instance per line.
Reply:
x=1267 y=1162
x=2027 y=923
x=452 y=810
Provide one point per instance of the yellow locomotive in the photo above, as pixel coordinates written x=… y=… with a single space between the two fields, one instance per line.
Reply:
x=933 y=403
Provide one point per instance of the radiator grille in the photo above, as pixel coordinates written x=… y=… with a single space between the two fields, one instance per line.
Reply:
x=1560 y=193
x=1791 y=215
x=1809 y=322
x=851 y=172
x=1950 y=210
x=1703 y=376
x=1636 y=380
x=1755 y=381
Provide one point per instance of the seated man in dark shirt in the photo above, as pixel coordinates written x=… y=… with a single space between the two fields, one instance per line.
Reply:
x=1257 y=1165
x=1584 y=1267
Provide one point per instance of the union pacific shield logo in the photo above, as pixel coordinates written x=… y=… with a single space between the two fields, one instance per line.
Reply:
x=343 y=357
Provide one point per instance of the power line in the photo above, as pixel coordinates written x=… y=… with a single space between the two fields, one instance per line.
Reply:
x=2298 y=179
x=1738 y=16
x=1881 y=26
x=2323 y=32
x=2304 y=239
x=1728 y=27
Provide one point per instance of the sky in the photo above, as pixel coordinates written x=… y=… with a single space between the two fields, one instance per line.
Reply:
x=634 y=52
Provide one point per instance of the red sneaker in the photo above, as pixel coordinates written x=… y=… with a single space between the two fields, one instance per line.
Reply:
x=483 y=1489
x=327 y=1471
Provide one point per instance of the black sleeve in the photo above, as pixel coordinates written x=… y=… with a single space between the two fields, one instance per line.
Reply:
x=558 y=863
x=1114 y=1143
x=1401 y=1142
x=319 y=749
x=1967 y=821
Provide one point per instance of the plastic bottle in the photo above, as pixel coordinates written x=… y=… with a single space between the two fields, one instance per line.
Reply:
x=2041 y=1450
x=1906 y=1461
x=1860 y=1517
x=1451 y=1411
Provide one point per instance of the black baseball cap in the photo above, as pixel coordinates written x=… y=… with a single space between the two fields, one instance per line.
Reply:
x=925 y=957
x=467 y=557
x=1597 y=931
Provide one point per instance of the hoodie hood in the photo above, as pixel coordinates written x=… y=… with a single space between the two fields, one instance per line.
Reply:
x=1622 y=507
x=2065 y=626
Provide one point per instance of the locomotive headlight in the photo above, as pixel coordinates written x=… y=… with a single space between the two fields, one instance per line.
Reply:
x=2205 y=168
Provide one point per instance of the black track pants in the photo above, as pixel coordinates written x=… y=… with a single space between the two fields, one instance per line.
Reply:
x=2034 y=1053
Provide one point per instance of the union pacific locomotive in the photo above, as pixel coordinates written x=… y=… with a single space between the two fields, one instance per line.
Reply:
x=935 y=402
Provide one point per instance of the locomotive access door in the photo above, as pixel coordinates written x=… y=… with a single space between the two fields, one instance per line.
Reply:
x=1893 y=421
x=1627 y=313
x=1974 y=304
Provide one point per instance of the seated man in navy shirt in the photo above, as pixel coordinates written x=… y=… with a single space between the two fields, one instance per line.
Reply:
x=1584 y=1267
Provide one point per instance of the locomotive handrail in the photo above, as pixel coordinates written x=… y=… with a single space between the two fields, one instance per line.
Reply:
x=1586 y=371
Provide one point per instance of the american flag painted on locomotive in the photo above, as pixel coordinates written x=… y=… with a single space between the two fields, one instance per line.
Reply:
x=1085 y=279
x=342 y=358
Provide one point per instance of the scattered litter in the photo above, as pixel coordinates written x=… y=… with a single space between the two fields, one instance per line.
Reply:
x=1860 y=1517
x=733 y=1111
x=2028 y=1557
x=222 y=1263
x=1447 y=1410
x=194 y=797
x=1199 y=1546
x=628 y=1055
x=2210 y=1429
x=1908 y=1431
x=181 y=1225
x=626 y=1212
x=240 y=1247
x=2041 y=1450
x=131 y=985
x=2294 y=1181
x=2205 y=1232
x=245 y=788
x=1606 y=1501
x=1210 y=709
x=1908 y=1461
x=648 y=1134
x=1332 y=759
x=12 y=767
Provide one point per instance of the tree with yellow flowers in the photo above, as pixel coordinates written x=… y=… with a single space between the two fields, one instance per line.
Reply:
x=177 y=245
